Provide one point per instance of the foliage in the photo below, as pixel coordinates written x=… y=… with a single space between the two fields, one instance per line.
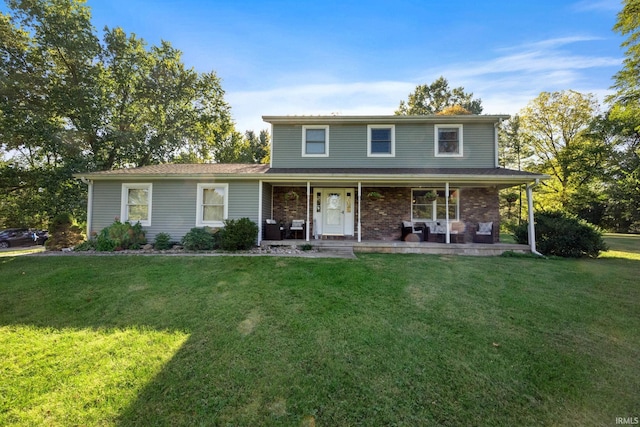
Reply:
x=85 y=246
x=121 y=236
x=454 y=110
x=162 y=242
x=560 y=234
x=63 y=233
x=623 y=189
x=556 y=126
x=199 y=239
x=627 y=80
x=306 y=247
x=75 y=100
x=436 y=98
x=238 y=234
x=135 y=340
x=31 y=197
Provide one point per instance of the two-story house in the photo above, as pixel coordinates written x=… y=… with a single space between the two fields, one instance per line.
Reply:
x=350 y=177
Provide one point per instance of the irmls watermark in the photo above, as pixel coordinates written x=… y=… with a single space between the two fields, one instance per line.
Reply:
x=629 y=421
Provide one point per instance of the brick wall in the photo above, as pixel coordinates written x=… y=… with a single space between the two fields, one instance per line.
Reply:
x=480 y=205
x=381 y=218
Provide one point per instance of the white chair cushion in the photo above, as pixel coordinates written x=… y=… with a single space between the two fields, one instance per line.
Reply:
x=407 y=224
x=271 y=221
x=485 y=227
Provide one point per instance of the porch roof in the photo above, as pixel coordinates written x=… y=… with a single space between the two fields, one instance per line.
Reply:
x=486 y=176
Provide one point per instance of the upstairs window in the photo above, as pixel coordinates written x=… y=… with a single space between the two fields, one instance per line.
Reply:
x=212 y=206
x=136 y=203
x=381 y=141
x=315 y=141
x=448 y=140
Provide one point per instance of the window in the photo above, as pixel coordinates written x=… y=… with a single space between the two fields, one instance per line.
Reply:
x=136 y=203
x=315 y=141
x=212 y=206
x=381 y=140
x=448 y=140
x=425 y=209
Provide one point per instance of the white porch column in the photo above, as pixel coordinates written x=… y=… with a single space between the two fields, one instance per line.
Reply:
x=308 y=227
x=446 y=204
x=359 y=203
x=260 y=222
x=532 y=227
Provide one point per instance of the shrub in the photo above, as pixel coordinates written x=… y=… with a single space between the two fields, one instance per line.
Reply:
x=561 y=234
x=120 y=236
x=63 y=233
x=85 y=246
x=199 y=239
x=238 y=234
x=163 y=241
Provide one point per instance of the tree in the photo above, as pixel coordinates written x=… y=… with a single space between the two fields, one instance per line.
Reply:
x=70 y=102
x=556 y=127
x=513 y=151
x=434 y=98
x=623 y=124
x=627 y=80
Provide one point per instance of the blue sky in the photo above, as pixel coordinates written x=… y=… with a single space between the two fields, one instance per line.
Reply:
x=363 y=57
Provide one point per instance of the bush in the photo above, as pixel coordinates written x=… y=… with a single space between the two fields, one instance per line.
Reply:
x=85 y=246
x=120 y=236
x=163 y=241
x=199 y=239
x=63 y=233
x=561 y=234
x=238 y=234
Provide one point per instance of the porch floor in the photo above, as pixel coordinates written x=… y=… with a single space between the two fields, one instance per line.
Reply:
x=400 y=247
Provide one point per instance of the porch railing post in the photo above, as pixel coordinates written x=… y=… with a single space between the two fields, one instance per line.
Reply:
x=359 y=203
x=308 y=228
x=446 y=205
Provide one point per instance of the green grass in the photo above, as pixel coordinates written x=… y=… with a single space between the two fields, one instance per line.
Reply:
x=380 y=340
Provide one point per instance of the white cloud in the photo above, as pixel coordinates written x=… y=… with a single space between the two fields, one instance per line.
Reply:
x=506 y=83
x=598 y=6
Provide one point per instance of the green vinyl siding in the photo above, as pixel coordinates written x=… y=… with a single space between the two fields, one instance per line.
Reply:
x=106 y=204
x=267 y=201
x=243 y=200
x=414 y=147
x=173 y=209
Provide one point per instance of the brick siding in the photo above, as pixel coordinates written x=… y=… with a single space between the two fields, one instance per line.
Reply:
x=382 y=218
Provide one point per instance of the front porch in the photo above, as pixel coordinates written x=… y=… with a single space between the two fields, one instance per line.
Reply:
x=400 y=247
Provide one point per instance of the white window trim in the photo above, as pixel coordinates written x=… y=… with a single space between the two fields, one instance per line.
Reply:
x=326 y=141
x=393 y=140
x=199 y=221
x=124 y=198
x=436 y=142
x=434 y=208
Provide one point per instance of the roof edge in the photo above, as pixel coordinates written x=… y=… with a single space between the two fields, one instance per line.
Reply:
x=366 y=119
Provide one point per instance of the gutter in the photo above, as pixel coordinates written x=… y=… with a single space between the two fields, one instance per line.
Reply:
x=532 y=227
x=89 y=204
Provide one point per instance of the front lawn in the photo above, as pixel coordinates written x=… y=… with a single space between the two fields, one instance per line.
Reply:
x=379 y=340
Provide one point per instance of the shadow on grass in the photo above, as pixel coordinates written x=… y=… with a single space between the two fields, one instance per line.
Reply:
x=379 y=340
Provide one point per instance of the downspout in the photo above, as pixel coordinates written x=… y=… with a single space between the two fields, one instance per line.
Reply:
x=89 y=204
x=496 y=142
x=532 y=227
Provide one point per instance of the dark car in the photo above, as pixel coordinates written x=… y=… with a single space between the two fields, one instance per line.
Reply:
x=21 y=237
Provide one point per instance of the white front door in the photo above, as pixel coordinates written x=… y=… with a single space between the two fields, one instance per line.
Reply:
x=333 y=218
